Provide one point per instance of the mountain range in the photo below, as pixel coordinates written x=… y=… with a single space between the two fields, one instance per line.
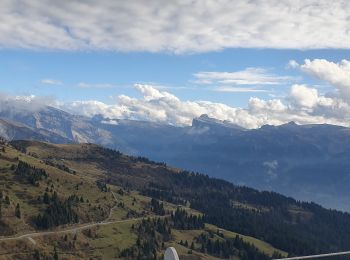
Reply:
x=308 y=162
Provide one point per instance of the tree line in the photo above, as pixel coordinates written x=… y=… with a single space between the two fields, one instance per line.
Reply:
x=58 y=212
x=30 y=173
x=268 y=215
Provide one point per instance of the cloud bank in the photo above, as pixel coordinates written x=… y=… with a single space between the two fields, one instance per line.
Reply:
x=24 y=104
x=174 y=26
x=303 y=103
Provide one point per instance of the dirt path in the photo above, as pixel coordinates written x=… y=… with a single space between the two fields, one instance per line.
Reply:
x=74 y=228
x=71 y=229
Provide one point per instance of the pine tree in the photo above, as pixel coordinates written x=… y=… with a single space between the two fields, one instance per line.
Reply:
x=36 y=255
x=192 y=246
x=46 y=198
x=55 y=254
x=18 y=211
x=7 y=200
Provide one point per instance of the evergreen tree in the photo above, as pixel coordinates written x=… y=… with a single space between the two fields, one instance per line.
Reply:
x=36 y=255
x=46 y=198
x=192 y=246
x=58 y=212
x=55 y=254
x=29 y=173
x=18 y=211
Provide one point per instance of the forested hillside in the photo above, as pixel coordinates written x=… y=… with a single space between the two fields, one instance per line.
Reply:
x=296 y=227
x=58 y=202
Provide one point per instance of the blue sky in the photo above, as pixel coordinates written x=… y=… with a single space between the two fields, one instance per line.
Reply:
x=248 y=62
x=108 y=73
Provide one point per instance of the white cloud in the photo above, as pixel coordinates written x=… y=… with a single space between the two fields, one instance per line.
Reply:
x=51 y=82
x=95 y=85
x=336 y=74
x=238 y=89
x=12 y=105
x=292 y=64
x=249 y=76
x=174 y=26
x=304 y=96
x=243 y=81
x=303 y=105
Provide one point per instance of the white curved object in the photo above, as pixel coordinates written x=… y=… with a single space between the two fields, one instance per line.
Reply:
x=171 y=254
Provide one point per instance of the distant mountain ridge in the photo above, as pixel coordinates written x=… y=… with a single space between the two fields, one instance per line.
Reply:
x=214 y=124
x=309 y=162
x=11 y=130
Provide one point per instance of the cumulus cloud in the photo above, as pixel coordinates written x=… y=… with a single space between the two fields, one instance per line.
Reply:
x=304 y=96
x=336 y=74
x=303 y=105
x=174 y=26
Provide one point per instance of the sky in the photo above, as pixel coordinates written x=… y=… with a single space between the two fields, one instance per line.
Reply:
x=248 y=62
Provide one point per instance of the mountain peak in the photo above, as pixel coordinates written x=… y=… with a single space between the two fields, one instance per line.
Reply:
x=291 y=123
x=205 y=121
x=204 y=116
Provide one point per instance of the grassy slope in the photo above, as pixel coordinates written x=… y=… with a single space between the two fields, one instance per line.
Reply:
x=101 y=242
x=63 y=183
